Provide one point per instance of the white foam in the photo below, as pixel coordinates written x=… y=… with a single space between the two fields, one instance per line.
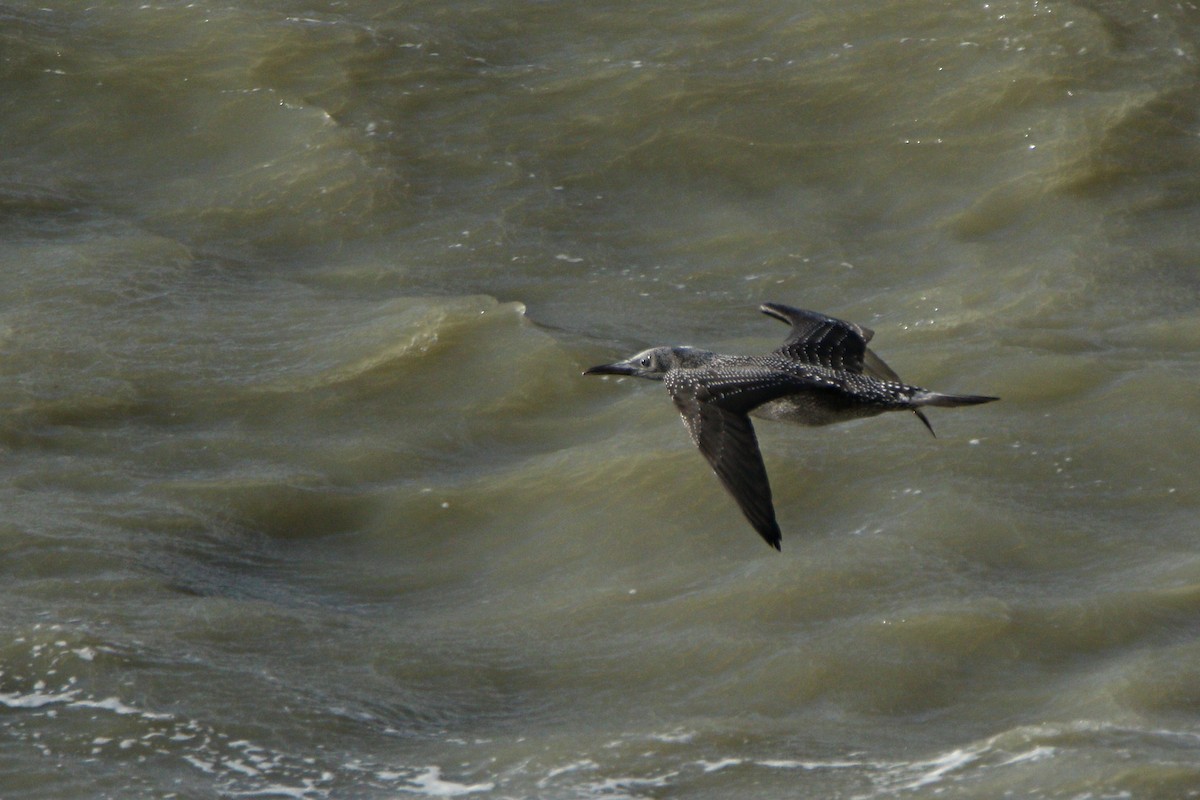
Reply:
x=430 y=783
x=35 y=699
x=938 y=768
x=778 y=763
x=207 y=767
x=575 y=766
x=624 y=786
x=115 y=705
x=237 y=765
x=304 y=792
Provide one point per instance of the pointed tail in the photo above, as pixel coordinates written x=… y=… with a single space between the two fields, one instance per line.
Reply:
x=924 y=398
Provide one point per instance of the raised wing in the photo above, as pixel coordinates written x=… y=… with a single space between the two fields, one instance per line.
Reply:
x=821 y=340
x=834 y=343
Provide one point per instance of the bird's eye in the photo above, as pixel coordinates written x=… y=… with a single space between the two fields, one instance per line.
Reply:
x=646 y=361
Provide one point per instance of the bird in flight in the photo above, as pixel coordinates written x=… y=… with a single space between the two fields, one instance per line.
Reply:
x=823 y=373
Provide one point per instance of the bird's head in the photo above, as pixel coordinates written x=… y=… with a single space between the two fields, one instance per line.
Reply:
x=653 y=363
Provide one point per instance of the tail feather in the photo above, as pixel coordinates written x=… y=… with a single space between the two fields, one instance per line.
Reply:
x=949 y=400
x=927 y=398
x=924 y=419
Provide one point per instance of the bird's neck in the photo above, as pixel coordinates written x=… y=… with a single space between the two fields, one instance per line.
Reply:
x=690 y=357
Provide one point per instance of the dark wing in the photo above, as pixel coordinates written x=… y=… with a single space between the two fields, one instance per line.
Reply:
x=715 y=412
x=875 y=367
x=834 y=343
x=821 y=340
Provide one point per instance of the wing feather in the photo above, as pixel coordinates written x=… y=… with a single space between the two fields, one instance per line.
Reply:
x=714 y=412
x=821 y=340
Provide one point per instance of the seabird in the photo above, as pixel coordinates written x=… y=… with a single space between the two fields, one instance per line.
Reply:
x=823 y=373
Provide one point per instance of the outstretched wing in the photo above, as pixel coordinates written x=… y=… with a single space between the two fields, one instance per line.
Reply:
x=714 y=408
x=821 y=340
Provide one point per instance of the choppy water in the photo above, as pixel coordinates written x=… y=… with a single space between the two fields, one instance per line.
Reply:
x=302 y=493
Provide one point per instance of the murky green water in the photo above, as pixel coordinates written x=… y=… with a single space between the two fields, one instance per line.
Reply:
x=302 y=493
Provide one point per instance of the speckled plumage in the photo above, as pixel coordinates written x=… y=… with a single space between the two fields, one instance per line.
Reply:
x=823 y=373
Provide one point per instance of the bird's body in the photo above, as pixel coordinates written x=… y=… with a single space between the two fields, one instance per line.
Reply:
x=824 y=373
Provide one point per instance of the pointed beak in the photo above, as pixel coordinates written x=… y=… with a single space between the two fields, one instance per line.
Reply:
x=619 y=368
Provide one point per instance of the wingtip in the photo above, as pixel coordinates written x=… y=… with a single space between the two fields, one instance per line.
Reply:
x=773 y=310
x=773 y=536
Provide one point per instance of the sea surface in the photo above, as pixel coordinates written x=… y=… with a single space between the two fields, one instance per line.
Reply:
x=303 y=493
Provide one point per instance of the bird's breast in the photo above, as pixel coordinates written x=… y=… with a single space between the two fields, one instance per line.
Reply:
x=813 y=409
